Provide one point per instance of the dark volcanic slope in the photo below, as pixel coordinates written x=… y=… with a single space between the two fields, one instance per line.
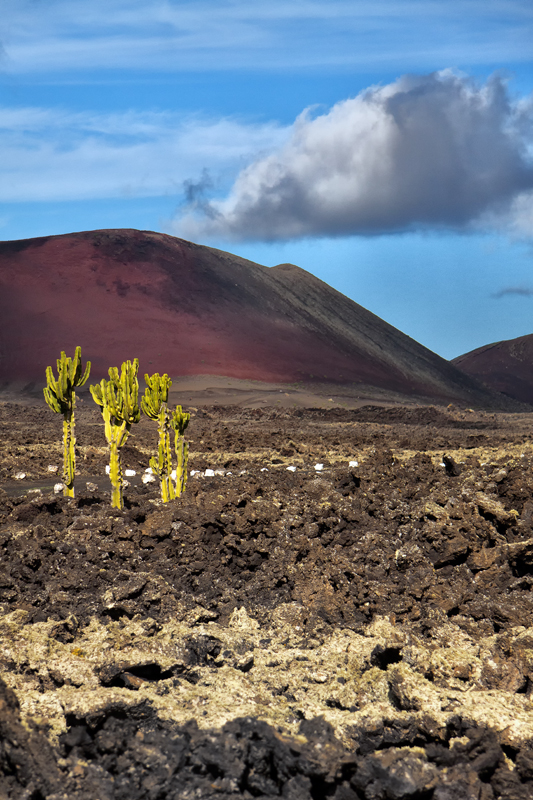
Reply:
x=187 y=309
x=506 y=367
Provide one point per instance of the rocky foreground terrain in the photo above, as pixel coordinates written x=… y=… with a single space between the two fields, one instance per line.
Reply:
x=363 y=629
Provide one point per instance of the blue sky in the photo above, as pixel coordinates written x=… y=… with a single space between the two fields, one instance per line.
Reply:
x=385 y=146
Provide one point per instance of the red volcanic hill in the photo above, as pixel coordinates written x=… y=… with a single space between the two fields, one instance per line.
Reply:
x=186 y=309
x=506 y=367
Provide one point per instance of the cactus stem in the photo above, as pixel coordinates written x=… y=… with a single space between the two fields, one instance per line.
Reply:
x=115 y=473
x=69 y=456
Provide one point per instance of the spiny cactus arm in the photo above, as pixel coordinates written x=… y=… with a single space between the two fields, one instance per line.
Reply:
x=100 y=395
x=155 y=394
x=98 y=392
x=77 y=376
x=132 y=396
x=182 y=456
x=162 y=468
x=52 y=400
x=126 y=391
x=151 y=402
x=179 y=420
x=62 y=384
x=53 y=393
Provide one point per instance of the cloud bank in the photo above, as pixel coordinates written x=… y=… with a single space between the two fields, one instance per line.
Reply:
x=425 y=152
x=54 y=155
x=66 y=36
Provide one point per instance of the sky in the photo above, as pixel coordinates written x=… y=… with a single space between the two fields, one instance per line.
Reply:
x=385 y=146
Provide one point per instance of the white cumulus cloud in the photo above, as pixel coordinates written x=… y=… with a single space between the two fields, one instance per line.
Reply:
x=425 y=152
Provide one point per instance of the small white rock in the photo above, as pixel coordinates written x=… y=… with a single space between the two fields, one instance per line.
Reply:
x=319 y=467
x=107 y=469
x=58 y=488
x=209 y=473
x=125 y=484
x=52 y=468
x=130 y=473
x=353 y=464
x=148 y=478
x=264 y=469
x=19 y=476
x=173 y=474
x=149 y=471
x=194 y=472
x=291 y=469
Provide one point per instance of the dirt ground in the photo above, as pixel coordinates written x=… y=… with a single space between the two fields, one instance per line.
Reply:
x=339 y=606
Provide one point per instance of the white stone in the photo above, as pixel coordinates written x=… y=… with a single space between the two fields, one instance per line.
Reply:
x=107 y=469
x=58 y=488
x=291 y=469
x=130 y=473
x=353 y=464
x=319 y=467
x=209 y=473
x=19 y=476
x=52 y=468
x=148 y=478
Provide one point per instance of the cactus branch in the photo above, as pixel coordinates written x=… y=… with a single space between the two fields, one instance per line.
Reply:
x=155 y=405
x=179 y=422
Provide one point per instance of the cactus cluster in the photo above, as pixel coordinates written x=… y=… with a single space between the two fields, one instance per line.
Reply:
x=61 y=397
x=155 y=405
x=118 y=398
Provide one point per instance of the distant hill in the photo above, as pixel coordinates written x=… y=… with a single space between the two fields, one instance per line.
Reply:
x=506 y=367
x=186 y=309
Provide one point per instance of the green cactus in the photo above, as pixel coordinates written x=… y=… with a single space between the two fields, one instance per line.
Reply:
x=155 y=405
x=61 y=397
x=178 y=422
x=118 y=399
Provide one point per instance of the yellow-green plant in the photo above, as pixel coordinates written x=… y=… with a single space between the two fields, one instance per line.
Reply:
x=61 y=397
x=178 y=422
x=118 y=399
x=155 y=405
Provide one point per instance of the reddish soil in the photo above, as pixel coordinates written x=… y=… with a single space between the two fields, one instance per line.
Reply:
x=185 y=309
x=506 y=367
x=404 y=535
